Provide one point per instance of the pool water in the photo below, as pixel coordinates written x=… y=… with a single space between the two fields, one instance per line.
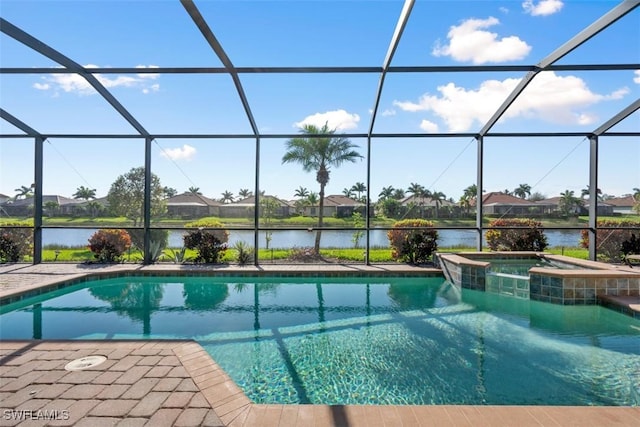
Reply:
x=359 y=340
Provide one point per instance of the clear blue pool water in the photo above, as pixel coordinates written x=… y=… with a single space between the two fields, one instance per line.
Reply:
x=360 y=341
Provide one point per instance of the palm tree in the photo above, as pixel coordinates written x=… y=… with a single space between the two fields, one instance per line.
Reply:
x=522 y=191
x=319 y=154
x=312 y=199
x=195 y=191
x=227 y=197
x=359 y=188
x=438 y=197
x=301 y=193
x=244 y=193
x=348 y=192
x=636 y=193
x=386 y=193
x=569 y=202
x=84 y=193
x=169 y=192
x=585 y=193
x=398 y=194
x=23 y=192
x=416 y=189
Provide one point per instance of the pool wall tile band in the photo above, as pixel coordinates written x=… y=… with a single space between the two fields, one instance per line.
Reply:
x=19 y=295
x=582 y=283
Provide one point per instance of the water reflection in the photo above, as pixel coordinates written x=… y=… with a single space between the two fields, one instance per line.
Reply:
x=134 y=300
x=204 y=296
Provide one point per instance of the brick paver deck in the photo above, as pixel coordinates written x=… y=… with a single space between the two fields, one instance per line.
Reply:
x=176 y=383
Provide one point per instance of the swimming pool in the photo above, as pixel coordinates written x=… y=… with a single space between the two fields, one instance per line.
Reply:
x=359 y=340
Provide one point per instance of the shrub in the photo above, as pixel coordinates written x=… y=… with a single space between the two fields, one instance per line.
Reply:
x=528 y=237
x=15 y=243
x=109 y=245
x=245 y=253
x=209 y=240
x=158 y=237
x=631 y=246
x=304 y=254
x=413 y=246
x=609 y=242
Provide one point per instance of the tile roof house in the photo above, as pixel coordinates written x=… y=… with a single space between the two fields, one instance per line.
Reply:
x=24 y=207
x=498 y=203
x=623 y=205
x=423 y=207
x=245 y=208
x=190 y=205
x=336 y=205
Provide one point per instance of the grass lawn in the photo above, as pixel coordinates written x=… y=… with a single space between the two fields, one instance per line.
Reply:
x=376 y=255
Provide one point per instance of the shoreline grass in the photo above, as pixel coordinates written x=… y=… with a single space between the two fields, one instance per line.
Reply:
x=356 y=255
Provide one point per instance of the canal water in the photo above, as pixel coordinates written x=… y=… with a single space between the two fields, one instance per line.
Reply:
x=74 y=237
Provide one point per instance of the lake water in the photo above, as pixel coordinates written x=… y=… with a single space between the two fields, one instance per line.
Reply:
x=293 y=238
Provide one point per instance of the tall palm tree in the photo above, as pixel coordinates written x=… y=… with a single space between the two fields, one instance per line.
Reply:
x=347 y=192
x=194 y=191
x=227 y=197
x=438 y=197
x=301 y=193
x=319 y=154
x=585 y=193
x=386 y=193
x=84 y=193
x=245 y=192
x=569 y=202
x=636 y=193
x=468 y=195
x=398 y=194
x=522 y=191
x=23 y=192
x=359 y=188
x=415 y=189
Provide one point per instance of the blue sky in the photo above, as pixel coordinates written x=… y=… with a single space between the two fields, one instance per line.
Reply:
x=157 y=33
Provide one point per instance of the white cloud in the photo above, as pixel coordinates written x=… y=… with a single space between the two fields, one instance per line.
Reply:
x=428 y=126
x=543 y=8
x=503 y=10
x=41 y=86
x=388 y=112
x=549 y=97
x=337 y=119
x=77 y=84
x=186 y=152
x=470 y=42
x=636 y=79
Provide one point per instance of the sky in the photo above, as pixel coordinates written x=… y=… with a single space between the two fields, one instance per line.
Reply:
x=160 y=33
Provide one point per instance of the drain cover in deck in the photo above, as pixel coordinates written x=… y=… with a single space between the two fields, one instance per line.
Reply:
x=84 y=363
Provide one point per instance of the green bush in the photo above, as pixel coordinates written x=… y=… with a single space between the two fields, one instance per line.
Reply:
x=609 y=242
x=209 y=240
x=109 y=245
x=527 y=237
x=245 y=253
x=15 y=243
x=159 y=237
x=413 y=246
